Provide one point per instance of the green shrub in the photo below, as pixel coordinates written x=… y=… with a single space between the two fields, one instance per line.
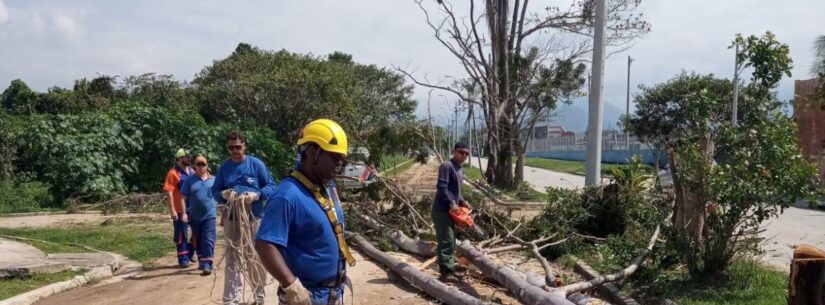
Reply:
x=23 y=197
x=94 y=156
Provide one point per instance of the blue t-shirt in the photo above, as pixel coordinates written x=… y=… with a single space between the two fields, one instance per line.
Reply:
x=198 y=193
x=298 y=225
x=448 y=187
x=250 y=175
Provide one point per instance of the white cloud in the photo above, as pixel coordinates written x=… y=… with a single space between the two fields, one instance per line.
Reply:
x=66 y=25
x=4 y=12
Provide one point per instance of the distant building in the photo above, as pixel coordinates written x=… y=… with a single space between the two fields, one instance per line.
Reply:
x=809 y=114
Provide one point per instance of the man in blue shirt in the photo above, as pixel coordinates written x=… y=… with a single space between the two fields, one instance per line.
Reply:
x=197 y=191
x=248 y=176
x=300 y=241
x=448 y=196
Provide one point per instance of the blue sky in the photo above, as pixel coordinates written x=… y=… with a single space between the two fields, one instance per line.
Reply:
x=53 y=42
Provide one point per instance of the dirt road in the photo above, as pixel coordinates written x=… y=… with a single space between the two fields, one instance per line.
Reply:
x=167 y=284
x=170 y=285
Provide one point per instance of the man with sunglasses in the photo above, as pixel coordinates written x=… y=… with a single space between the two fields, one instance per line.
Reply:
x=197 y=192
x=174 y=178
x=448 y=196
x=301 y=240
x=247 y=176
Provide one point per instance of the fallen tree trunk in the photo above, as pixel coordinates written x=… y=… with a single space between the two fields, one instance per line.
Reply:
x=511 y=279
x=517 y=278
x=415 y=277
x=807 y=279
x=400 y=239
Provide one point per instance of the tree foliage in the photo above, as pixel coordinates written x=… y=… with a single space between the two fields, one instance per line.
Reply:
x=108 y=135
x=96 y=155
x=727 y=178
x=284 y=91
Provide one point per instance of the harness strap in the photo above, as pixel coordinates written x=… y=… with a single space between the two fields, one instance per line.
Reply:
x=329 y=208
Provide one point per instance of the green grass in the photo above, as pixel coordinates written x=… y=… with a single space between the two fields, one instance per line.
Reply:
x=565 y=166
x=748 y=283
x=393 y=161
x=139 y=241
x=15 y=286
x=471 y=173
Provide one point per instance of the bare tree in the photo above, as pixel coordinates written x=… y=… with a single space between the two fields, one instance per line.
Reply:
x=523 y=62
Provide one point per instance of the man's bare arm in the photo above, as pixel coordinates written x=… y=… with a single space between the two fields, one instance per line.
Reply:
x=274 y=263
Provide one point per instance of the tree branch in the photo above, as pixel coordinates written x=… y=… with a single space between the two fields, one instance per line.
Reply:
x=568 y=289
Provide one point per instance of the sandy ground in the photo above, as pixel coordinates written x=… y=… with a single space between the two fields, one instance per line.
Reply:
x=54 y=220
x=167 y=284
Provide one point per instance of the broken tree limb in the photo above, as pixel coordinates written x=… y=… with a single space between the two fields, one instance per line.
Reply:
x=400 y=239
x=510 y=279
x=514 y=275
x=396 y=191
x=416 y=278
x=607 y=289
x=568 y=289
x=520 y=246
x=550 y=276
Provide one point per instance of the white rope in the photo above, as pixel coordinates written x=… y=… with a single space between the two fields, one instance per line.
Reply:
x=243 y=248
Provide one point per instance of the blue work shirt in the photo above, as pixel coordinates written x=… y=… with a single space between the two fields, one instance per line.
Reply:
x=249 y=175
x=297 y=224
x=448 y=187
x=198 y=193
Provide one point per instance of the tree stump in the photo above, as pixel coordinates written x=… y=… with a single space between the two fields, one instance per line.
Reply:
x=807 y=280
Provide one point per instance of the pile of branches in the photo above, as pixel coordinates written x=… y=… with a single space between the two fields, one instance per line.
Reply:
x=407 y=226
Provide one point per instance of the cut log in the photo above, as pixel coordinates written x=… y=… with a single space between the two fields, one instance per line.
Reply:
x=400 y=239
x=807 y=280
x=416 y=278
x=511 y=279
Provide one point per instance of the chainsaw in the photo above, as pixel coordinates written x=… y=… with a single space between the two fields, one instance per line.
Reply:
x=463 y=218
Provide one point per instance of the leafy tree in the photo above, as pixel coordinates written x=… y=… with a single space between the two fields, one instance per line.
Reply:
x=161 y=90
x=280 y=90
x=727 y=178
x=284 y=91
x=18 y=98
x=97 y=155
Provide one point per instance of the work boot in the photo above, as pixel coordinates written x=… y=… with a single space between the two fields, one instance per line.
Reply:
x=450 y=277
x=184 y=264
x=207 y=270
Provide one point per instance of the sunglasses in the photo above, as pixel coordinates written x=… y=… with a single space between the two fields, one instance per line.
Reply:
x=201 y=164
x=234 y=147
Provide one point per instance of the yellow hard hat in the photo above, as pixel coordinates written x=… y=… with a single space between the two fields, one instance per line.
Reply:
x=327 y=134
x=180 y=153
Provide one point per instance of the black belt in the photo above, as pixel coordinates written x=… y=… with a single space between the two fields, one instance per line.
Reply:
x=332 y=282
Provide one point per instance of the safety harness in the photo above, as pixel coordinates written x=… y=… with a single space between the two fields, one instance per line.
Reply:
x=329 y=208
x=338 y=228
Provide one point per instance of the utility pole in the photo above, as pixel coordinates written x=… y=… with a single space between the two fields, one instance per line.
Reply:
x=595 y=115
x=735 y=114
x=627 y=109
